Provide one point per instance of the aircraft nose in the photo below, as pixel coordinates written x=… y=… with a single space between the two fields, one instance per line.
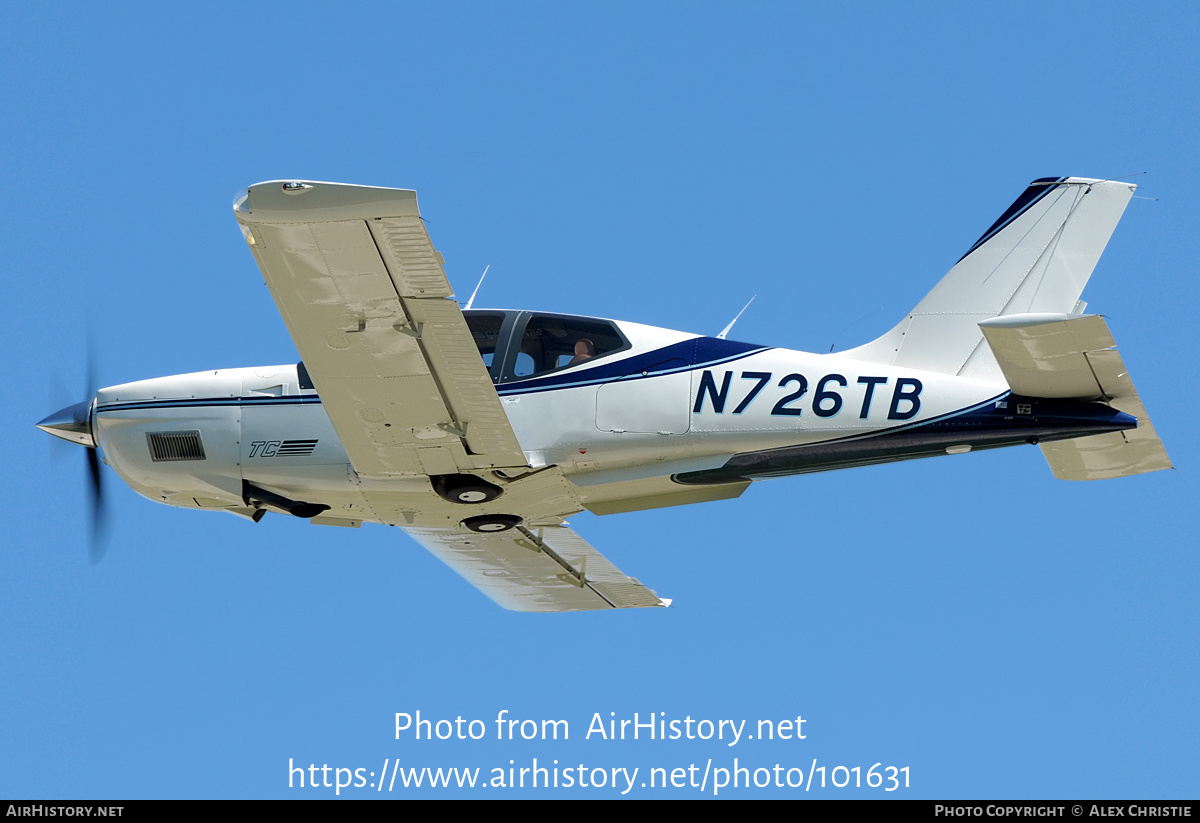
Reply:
x=74 y=423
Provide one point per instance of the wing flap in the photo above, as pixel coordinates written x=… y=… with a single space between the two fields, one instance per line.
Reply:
x=415 y=267
x=544 y=570
x=364 y=296
x=470 y=395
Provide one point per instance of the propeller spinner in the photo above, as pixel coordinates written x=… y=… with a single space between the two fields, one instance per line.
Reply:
x=74 y=424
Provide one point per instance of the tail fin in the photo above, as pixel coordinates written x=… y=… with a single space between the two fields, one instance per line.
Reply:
x=1035 y=259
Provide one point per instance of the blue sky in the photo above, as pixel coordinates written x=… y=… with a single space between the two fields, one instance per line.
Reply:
x=1000 y=633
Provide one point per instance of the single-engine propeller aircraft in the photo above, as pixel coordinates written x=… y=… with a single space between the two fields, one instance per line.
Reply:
x=479 y=432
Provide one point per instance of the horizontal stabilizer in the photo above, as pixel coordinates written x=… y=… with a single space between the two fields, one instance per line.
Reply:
x=1046 y=355
x=1105 y=456
x=1058 y=356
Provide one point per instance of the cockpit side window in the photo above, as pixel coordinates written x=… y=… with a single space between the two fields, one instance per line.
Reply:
x=551 y=342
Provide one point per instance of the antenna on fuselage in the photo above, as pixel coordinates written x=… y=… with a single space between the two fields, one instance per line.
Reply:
x=477 y=285
x=726 y=330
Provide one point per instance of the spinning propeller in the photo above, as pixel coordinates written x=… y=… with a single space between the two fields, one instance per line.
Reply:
x=74 y=424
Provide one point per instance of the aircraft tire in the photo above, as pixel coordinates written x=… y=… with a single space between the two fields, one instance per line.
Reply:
x=466 y=488
x=489 y=523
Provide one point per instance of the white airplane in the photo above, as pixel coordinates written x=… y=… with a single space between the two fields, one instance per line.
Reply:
x=479 y=432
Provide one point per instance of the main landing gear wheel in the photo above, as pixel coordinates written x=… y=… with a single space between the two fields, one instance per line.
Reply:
x=492 y=522
x=466 y=488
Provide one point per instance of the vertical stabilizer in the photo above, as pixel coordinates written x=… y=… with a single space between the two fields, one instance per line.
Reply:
x=1036 y=258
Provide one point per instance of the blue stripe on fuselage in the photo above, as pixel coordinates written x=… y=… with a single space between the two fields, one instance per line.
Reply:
x=993 y=423
x=192 y=402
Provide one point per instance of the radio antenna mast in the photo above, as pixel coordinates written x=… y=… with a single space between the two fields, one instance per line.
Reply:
x=477 y=285
x=725 y=330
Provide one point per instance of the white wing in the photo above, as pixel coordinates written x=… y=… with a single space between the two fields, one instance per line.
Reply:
x=363 y=294
x=536 y=570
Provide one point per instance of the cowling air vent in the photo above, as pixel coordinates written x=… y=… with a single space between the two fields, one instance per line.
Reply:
x=175 y=446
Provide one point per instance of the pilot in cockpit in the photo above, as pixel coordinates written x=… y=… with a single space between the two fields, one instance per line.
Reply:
x=584 y=350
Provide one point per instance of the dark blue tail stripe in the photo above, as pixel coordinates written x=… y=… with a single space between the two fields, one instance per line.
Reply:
x=1037 y=190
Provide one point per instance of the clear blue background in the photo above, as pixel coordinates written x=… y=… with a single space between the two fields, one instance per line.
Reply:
x=1001 y=633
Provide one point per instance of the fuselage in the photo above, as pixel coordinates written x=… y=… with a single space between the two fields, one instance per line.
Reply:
x=661 y=416
x=479 y=433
